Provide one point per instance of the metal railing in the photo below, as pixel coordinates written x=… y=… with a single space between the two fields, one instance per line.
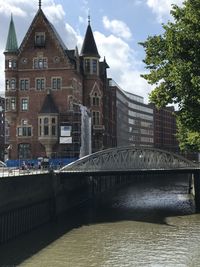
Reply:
x=14 y=171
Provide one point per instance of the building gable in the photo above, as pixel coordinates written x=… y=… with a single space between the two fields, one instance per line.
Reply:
x=41 y=26
x=96 y=89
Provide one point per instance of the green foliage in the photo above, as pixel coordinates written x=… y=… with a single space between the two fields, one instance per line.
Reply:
x=189 y=141
x=173 y=61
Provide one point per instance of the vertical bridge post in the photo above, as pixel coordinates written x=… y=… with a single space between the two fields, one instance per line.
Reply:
x=197 y=190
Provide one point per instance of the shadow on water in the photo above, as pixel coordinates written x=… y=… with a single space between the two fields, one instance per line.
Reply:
x=143 y=203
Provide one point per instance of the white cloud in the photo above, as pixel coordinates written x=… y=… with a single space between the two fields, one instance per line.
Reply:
x=162 y=7
x=125 y=69
x=117 y=27
x=15 y=7
x=54 y=12
x=85 y=9
x=23 y=8
x=73 y=39
x=81 y=20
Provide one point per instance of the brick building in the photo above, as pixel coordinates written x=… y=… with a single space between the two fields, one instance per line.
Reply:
x=61 y=104
x=47 y=86
x=165 y=129
x=2 y=128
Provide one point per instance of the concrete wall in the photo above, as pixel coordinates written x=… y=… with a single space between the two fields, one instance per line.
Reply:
x=31 y=200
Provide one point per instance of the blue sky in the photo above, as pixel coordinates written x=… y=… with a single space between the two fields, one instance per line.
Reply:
x=118 y=26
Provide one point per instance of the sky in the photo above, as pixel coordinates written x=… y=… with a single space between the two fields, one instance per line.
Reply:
x=118 y=26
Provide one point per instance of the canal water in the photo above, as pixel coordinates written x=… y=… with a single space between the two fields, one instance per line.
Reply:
x=152 y=223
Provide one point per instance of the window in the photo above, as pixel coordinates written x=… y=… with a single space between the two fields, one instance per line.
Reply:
x=87 y=65
x=24 y=131
x=40 y=84
x=53 y=126
x=24 y=151
x=12 y=64
x=39 y=39
x=47 y=126
x=95 y=100
x=40 y=63
x=7 y=104
x=70 y=102
x=94 y=66
x=56 y=83
x=7 y=84
x=24 y=104
x=24 y=84
x=10 y=104
x=13 y=103
x=9 y=64
x=12 y=84
x=96 y=118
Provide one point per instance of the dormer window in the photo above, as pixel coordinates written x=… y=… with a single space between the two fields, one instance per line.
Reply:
x=39 y=39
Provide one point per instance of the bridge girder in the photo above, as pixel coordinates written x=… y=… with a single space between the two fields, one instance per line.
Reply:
x=128 y=158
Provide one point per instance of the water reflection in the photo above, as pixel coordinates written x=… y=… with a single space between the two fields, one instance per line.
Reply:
x=148 y=224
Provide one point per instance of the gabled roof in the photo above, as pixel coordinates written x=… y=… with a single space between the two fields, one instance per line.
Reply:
x=57 y=37
x=49 y=105
x=71 y=54
x=11 y=44
x=89 y=47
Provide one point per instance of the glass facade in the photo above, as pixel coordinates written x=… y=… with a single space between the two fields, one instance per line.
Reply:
x=135 y=120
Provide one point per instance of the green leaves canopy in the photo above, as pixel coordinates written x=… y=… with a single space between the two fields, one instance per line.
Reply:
x=173 y=61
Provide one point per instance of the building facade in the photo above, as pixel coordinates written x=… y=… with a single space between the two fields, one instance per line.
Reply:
x=2 y=128
x=61 y=104
x=134 y=119
x=46 y=86
x=165 y=129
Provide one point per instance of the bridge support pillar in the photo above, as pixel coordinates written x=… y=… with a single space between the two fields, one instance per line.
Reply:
x=197 y=190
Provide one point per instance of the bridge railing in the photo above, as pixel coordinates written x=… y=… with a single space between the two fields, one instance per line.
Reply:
x=12 y=171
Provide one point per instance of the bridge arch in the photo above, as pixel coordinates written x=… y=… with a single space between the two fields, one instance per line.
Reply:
x=128 y=159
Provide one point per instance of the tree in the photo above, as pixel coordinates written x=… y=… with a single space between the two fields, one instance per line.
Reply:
x=173 y=61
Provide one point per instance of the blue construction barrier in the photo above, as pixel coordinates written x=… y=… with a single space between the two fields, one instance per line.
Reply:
x=56 y=162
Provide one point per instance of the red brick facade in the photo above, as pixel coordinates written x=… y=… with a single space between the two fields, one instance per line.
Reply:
x=43 y=66
x=165 y=129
